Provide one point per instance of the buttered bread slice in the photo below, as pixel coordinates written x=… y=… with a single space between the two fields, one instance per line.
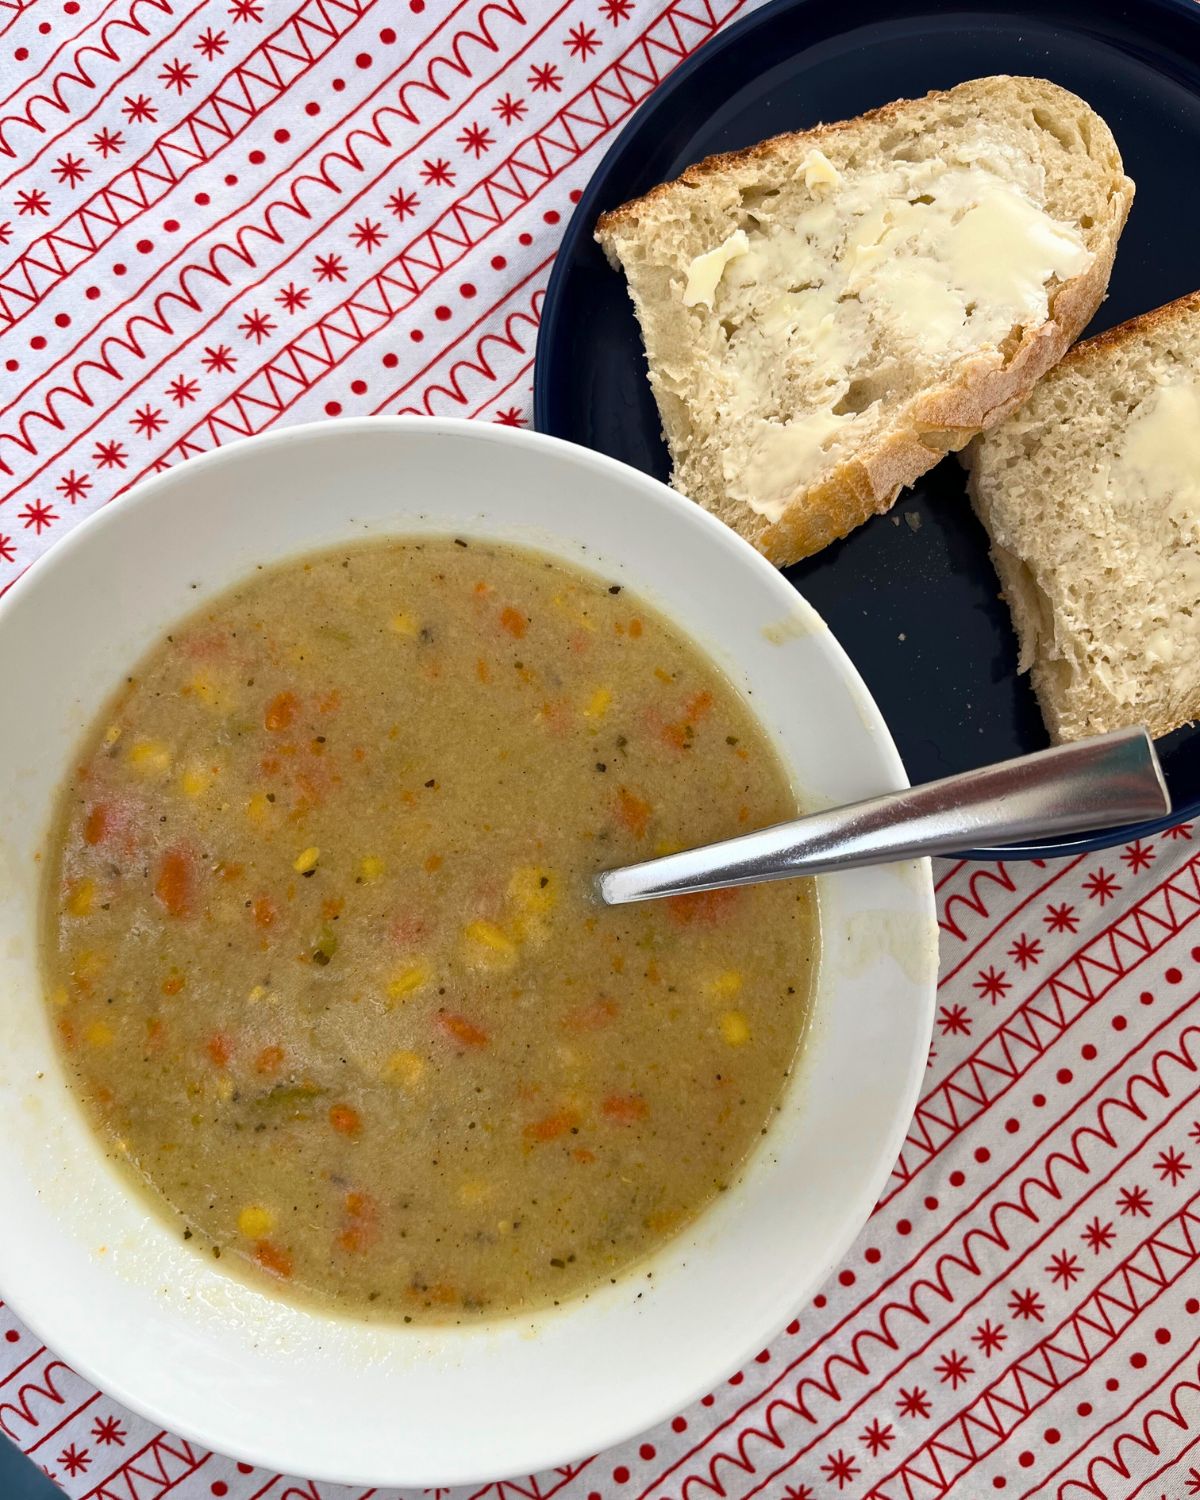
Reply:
x=1091 y=494
x=827 y=313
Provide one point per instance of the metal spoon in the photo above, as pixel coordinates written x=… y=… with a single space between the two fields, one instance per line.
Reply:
x=1095 y=783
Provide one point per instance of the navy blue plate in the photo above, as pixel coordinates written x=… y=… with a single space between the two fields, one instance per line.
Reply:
x=912 y=595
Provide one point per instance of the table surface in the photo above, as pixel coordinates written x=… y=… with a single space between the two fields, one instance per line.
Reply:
x=1021 y=1315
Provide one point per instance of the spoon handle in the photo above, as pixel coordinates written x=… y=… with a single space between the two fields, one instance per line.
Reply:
x=1094 y=783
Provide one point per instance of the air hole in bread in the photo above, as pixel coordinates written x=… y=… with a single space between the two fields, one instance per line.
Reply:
x=1058 y=128
x=859 y=395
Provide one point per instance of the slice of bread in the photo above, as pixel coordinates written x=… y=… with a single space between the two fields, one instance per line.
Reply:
x=827 y=313
x=1090 y=492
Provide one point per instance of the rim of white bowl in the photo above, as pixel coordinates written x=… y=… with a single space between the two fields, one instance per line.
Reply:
x=756 y=1337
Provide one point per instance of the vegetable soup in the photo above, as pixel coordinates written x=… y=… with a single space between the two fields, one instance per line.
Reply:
x=322 y=957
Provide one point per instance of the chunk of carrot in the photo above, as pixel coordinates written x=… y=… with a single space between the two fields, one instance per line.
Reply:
x=706 y=908
x=593 y=1017
x=269 y=1060
x=633 y=812
x=465 y=1032
x=550 y=1127
x=97 y=823
x=625 y=1109
x=219 y=1048
x=698 y=706
x=345 y=1119
x=264 y=912
x=513 y=621
x=273 y=1258
x=280 y=713
x=173 y=887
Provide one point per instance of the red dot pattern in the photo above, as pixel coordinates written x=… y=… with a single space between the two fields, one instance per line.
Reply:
x=646 y=1451
x=359 y=387
x=1173 y=976
x=12 y=1336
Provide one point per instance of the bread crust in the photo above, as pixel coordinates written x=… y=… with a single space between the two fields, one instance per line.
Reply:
x=1071 y=707
x=940 y=420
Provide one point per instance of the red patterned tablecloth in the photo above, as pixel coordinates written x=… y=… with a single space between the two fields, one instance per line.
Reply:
x=223 y=215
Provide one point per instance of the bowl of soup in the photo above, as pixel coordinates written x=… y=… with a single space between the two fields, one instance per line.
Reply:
x=346 y=1132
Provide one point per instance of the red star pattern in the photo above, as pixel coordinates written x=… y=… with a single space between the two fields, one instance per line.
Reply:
x=510 y=109
x=954 y=1021
x=211 y=43
x=246 y=10
x=257 y=326
x=73 y=486
x=992 y=984
x=293 y=298
x=1180 y=831
x=37 y=514
x=181 y=390
x=32 y=201
x=799 y=1492
x=402 y=204
x=476 y=139
x=511 y=416
x=1101 y=886
x=147 y=420
x=545 y=79
x=877 y=1437
x=1061 y=918
x=329 y=268
x=437 y=173
x=1027 y=1304
x=840 y=1468
x=219 y=359
x=70 y=169
x=1097 y=1236
x=109 y=456
x=1194 y=1132
x=1171 y=1165
x=109 y=1430
x=107 y=142
x=178 y=75
x=990 y=1337
x=953 y=1369
x=1138 y=856
x=74 y=1460
x=368 y=235
x=1193 y=1481
x=616 y=11
x=6 y=232
x=1134 y=1203
x=8 y=549
x=1026 y=951
x=1064 y=1267
x=581 y=41
x=914 y=1403
x=138 y=109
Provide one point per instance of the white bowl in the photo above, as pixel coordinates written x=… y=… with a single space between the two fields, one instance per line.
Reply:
x=105 y=1283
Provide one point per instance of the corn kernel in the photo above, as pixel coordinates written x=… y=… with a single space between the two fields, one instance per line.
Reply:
x=60 y=995
x=82 y=898
x=195 y=781
x=667 y=846
x=598 y=704
x=255 y=1222
x=405 y=1068
x=224 y=1088
x=407 y=981
x=99 y=1034
x=726 y=984
x=88 y=965
x=112 y=734
x=492 y=938
x=207 y=690
x=371 y=868
x=404 y=623
x=149 y=758
x=258 y=809
x=735 y=1029
x=474 y=1190
x=306 y=860
x=258 y=994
